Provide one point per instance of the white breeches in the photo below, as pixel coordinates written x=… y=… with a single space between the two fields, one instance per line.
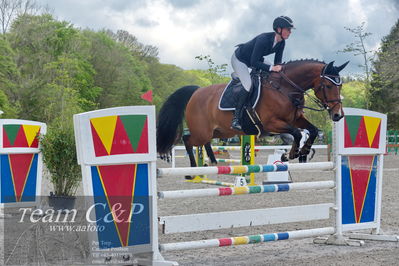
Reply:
x=242 y=71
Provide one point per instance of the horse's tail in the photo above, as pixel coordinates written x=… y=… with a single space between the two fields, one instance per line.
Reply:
x=170 y=118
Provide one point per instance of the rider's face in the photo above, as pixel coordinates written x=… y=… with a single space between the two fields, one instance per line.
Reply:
x=285 y=33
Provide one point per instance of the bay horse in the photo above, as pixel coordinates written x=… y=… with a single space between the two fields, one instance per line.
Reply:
x=280 y=108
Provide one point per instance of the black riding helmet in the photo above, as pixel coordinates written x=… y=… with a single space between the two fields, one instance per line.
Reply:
x=282 y=22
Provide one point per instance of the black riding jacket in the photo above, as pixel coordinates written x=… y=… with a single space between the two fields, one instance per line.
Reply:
x=251 y=53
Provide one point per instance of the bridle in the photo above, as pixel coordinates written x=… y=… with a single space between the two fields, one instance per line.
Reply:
x=323 y=105
x=336 y=80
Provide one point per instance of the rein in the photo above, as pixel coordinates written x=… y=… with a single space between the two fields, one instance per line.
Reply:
x=322 y=106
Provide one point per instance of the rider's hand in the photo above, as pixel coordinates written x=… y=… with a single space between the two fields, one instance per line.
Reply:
x=277 y=68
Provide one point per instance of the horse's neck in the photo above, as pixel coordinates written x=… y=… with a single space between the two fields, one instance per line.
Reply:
x=303 y=76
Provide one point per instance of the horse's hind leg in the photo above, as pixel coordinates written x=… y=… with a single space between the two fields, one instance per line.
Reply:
x=210 y=153
x=189 y=149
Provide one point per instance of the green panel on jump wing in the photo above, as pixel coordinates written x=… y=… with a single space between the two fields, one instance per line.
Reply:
x=134 y=125
x=11 y=131
x=353 y=122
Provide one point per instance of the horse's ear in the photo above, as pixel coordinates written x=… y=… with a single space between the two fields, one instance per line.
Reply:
x=341 y=67
x=328 y=68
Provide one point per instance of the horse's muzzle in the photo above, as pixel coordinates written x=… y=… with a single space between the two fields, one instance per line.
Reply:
x=336 y=117
x=336 y=113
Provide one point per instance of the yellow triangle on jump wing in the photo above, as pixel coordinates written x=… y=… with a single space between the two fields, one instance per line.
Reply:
x=31 y=132
x=371 y=124
x=105 y=128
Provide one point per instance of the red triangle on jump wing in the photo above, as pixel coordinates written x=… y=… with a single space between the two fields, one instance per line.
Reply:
x=118 y=182
x=347 y=136
x=376 y=140
x=35 y=143
x=360 y=167
x=20 y=139
x=361 y=137
x=20 y=165
x=121 y=143
x=142 y=146
x=99 y=148
x=6 y=141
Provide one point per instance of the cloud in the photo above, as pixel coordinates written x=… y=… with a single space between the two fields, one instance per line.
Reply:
x=147 y=23
x=184 y=3
x=184 y=29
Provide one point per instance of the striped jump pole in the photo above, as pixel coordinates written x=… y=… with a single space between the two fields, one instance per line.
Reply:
x=237 y=148
x=226 y=148
x=219 y=160
x=244 y=240
x=216 y=183
x=229 y=191
x=247 y=154
x=242 y=169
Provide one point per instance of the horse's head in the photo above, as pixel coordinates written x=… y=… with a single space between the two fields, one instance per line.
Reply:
x=327 y=89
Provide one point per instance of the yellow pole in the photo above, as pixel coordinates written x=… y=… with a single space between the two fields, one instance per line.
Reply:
x=252 y=175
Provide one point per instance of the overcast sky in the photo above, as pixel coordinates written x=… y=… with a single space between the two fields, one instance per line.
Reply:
x=183 y=29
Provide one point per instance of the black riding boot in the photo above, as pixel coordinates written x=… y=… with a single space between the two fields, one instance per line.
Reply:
x=242 y=98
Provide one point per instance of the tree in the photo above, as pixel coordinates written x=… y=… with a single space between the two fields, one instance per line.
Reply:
x=165 y=79
x=69 y=89
x=9 y=76
x=216 y=73
x=11 y=9
x=354 y=94
x=384 y=91
x=122 y=76
x=358 y=48
x=50 y=70
x=50 y=56
x=135 y=47
x=7 y=110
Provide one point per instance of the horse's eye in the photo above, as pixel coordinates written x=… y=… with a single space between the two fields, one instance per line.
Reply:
x=329 y=87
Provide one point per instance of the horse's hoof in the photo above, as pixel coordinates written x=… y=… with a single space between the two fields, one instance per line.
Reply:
x=284 y=157
x=303 y=158
x=189 y=177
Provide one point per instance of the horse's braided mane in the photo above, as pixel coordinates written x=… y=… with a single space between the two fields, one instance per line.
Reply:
x=301 y=61
x=293 y=63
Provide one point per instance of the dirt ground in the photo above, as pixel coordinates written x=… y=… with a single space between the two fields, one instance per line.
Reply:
x=288 y=252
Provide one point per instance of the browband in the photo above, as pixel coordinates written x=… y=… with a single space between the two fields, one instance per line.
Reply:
x=334 y=79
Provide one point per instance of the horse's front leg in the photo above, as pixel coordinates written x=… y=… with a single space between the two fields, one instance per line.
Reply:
x=309 y=142
x=294 y=152
x=313 y=132
x=210 y=154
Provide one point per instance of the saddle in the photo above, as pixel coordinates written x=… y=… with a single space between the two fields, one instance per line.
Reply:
x=250 y=120
x=227 y=101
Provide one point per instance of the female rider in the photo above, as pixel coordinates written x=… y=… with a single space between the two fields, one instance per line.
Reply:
x=250 y=55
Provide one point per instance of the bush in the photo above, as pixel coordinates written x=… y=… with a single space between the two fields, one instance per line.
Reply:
x=59 y=155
